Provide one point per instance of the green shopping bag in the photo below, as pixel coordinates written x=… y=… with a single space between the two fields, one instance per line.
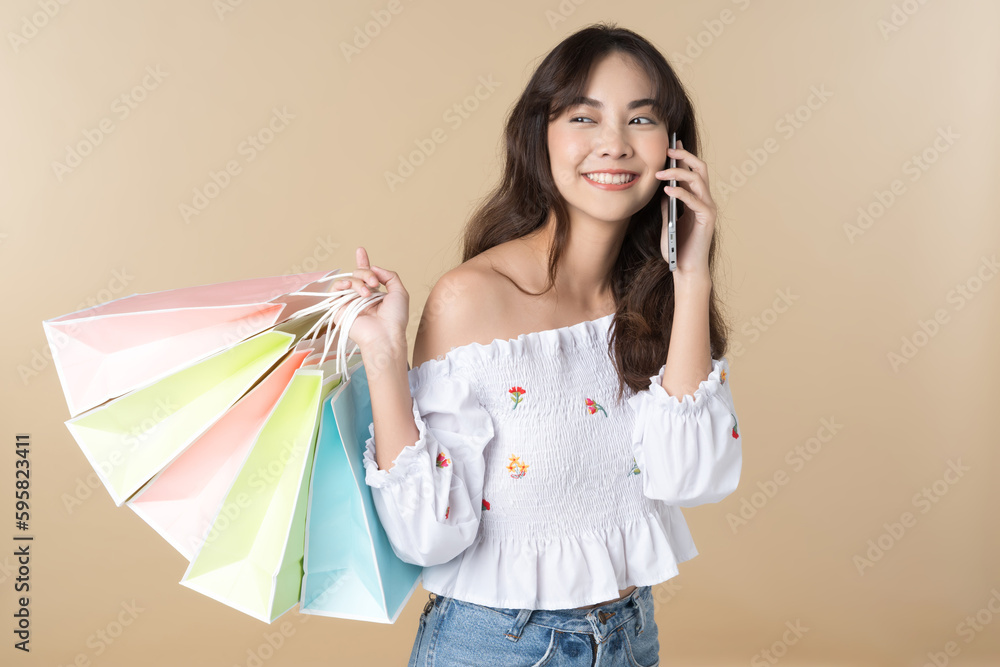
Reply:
x=251 y=558
x=129 y=439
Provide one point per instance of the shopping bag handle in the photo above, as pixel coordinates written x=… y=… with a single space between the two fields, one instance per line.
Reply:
x=333 y=302
x=342 y=331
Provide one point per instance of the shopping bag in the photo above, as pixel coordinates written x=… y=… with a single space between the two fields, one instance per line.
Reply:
x=129 y=439
x=105 y=351
x=212 y=431
x=249 y=560
x=251 y=557
x=181 y=501
x=349 y=567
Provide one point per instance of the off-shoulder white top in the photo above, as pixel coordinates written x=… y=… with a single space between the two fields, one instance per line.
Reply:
x=530 y=488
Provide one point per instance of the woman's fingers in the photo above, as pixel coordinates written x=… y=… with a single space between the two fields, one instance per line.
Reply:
x=390 y=279
x=682 y=175
x=384 y=276
x=363 y=280
x=367 y=277
x=358 y=284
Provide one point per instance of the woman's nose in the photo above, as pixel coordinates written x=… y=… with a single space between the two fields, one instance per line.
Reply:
x=613 y=142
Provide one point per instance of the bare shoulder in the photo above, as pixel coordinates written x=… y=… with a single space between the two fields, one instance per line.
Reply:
x=476 y=303
x=460 y=303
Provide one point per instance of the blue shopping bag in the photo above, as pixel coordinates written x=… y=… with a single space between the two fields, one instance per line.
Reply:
x=350 y=569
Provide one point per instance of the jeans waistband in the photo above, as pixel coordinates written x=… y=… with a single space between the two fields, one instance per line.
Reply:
x=602 y=621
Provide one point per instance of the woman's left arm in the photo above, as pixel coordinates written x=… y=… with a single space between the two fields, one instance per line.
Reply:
x=689 y=359
x=686 y=438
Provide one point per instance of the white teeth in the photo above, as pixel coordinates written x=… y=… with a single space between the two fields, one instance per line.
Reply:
x=610 y=179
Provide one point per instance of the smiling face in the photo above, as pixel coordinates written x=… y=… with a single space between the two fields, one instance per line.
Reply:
x=605 y=149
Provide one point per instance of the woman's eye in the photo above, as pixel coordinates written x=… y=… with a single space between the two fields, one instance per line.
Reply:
x=648 y=120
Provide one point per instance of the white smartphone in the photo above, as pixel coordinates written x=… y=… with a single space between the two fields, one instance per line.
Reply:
x=672 y=216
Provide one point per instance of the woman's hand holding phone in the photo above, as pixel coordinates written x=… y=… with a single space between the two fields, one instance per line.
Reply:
x=697 y=224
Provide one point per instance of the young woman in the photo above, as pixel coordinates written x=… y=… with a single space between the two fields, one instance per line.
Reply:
x=534 y=460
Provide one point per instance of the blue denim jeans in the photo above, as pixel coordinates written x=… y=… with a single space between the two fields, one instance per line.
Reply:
x=454 y=632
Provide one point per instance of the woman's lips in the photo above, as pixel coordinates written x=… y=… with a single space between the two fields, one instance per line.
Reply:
x=612 y=186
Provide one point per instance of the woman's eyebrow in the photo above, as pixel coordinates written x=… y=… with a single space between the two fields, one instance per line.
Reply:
x=597 y=104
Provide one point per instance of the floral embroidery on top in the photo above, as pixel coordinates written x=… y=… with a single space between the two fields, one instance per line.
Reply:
x=722 y=376
x=593 y=407
x=517 y=467
x=446 y=511
x=442 y=462
x=486 y=505
x=735 y=433
x=635 y=468
x=515 y=395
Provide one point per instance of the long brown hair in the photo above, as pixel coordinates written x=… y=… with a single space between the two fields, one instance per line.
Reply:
x=641 y=281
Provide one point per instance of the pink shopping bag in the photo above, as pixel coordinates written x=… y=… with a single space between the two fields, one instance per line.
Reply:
x=181 y=501
x=110 y=349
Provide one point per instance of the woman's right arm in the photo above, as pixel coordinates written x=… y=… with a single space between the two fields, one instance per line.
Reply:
x=380 y=332
x=427 y=470
x=392 y=413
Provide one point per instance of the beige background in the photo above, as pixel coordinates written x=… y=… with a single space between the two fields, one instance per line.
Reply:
x=113 y=226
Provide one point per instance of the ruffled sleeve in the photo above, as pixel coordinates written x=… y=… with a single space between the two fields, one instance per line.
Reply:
x=689 y=451
x=430 y=502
